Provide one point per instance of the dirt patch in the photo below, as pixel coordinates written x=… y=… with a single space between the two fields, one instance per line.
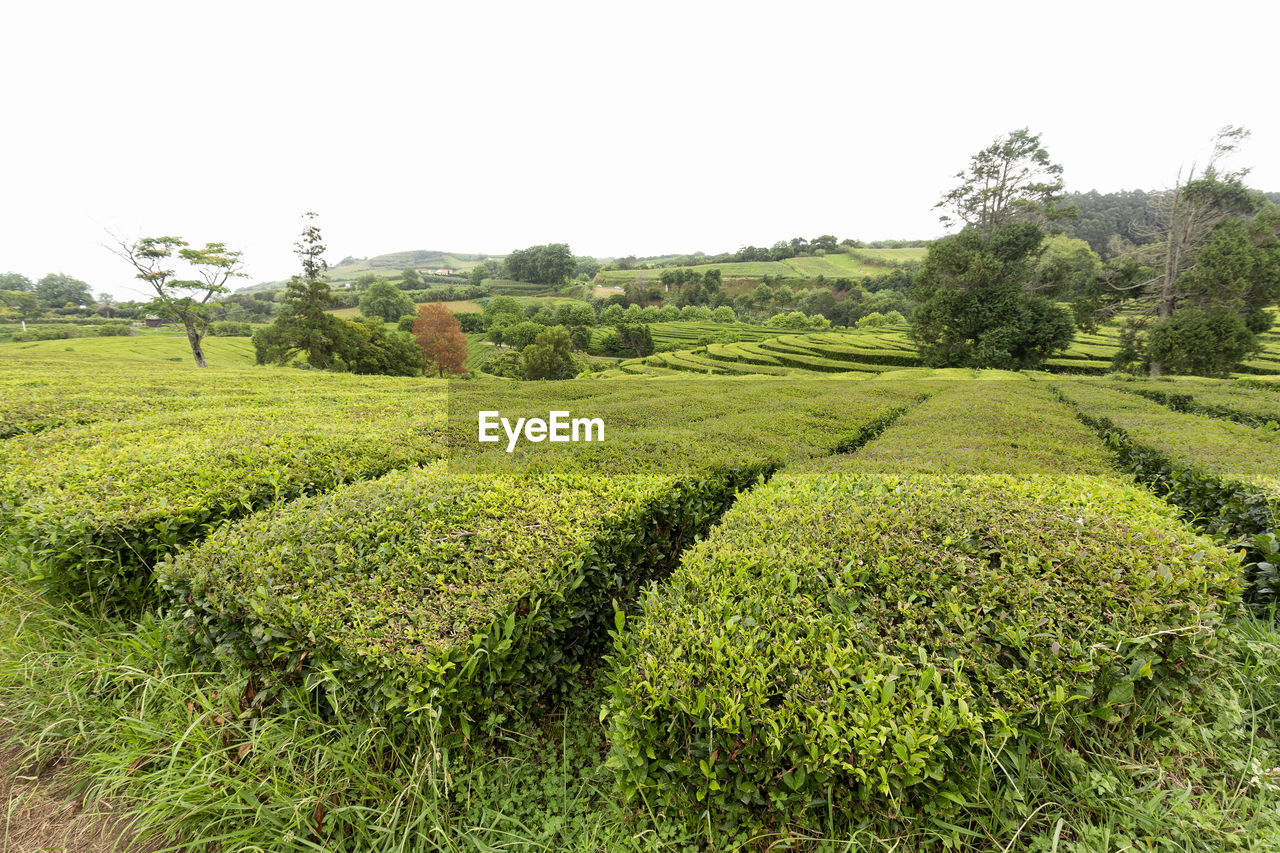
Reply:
x=42 y=814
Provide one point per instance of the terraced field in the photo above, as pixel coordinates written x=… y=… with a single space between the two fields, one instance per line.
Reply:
x=830 y=266
x=979 y=615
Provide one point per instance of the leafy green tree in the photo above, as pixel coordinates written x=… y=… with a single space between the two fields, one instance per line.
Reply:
x=1214 y=251
x=975 y=310
x=365 y=347
x=410 y=280
x=477 y=275
x=724 y=314
x=503 y=309
x=386 y=301
x=762 y=295
x=522 y=334
x=1200 y=341
x=574 y=314
x=16 y=282
x=612 y=315
x=550 y=356
x=305 y=324
x=184 y=299
x=634 y=338
x=1067 y=269
x=1011 y=180
x=551 y=264
x=22 y=304
x=106 y=301
x=56 y=290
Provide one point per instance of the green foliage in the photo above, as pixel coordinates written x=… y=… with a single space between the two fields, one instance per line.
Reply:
x=225 y=329
x=90 y=509
x=1219 y=473
x=1009 y=181
x=846 y=645
x=467 y=614
x=366 y=347
x=551 y=264
x=1200 y=342
x=16 y=282
x=56 y=290
x=975 y=311
x=631 y=339
x=522 y=334
x=384 y=300
x=550 y=356
x=503 y=310
x=504 y=363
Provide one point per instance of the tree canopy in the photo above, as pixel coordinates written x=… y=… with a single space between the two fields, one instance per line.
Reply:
x=551 y=264
x=975 y=309
x=1010 y=180
x=440 y=337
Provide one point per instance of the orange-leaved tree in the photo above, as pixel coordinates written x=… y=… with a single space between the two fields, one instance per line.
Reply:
x=440 y=336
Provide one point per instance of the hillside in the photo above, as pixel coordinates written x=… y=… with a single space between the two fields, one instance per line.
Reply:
x=350 y=268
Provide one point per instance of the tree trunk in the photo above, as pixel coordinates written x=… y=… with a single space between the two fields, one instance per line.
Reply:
x=193 y=338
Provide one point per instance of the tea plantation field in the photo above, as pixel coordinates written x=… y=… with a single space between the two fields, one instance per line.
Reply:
x=272 y=609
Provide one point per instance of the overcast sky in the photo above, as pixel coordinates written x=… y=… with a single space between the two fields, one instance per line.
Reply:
x=637 y=129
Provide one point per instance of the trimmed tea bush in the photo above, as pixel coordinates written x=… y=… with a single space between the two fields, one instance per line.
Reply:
x=845 y=644
x=1221 y=474
x=91 y=508
x=434 y=597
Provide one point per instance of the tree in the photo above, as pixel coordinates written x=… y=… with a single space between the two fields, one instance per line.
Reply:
x=550 y=356
x=305 y=324
x=443 y=344
x=410 y=279
x=106 y=300
x=503 y=309
x=634 y=338
x=386 y=301
x=1202 y=342
x=1011 y=180
x=16 y=282
x=551 y=264
x=975 y=309
x=22 y=304
x=1213 y=250
x=184 y=299
x=56 y=290
x=367 y=348
x=520 y=335
x=477 y=275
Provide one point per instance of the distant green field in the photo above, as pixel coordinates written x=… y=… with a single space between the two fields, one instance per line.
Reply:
x=829 y=266
x=220 y=352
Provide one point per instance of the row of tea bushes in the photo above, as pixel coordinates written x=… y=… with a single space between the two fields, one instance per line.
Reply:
x=450 y=596
x=988 y=428
x=1222 y=474
x=429 y=597
x=1242 y=404
x=89 y=509
x=847 y=644
x=680 y=425
x=861 y=634
x=38 y=392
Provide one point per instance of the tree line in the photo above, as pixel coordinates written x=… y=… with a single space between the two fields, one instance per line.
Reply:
x=1193 y=281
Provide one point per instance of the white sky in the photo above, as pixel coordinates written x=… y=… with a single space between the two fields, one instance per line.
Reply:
x=620 y=129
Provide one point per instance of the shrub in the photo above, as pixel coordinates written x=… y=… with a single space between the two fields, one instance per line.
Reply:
x=444 y=599
x=846 y=644
x=228 y=329
x=90 y=509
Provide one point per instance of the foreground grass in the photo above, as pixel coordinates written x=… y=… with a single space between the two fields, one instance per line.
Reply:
x=195 y=763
